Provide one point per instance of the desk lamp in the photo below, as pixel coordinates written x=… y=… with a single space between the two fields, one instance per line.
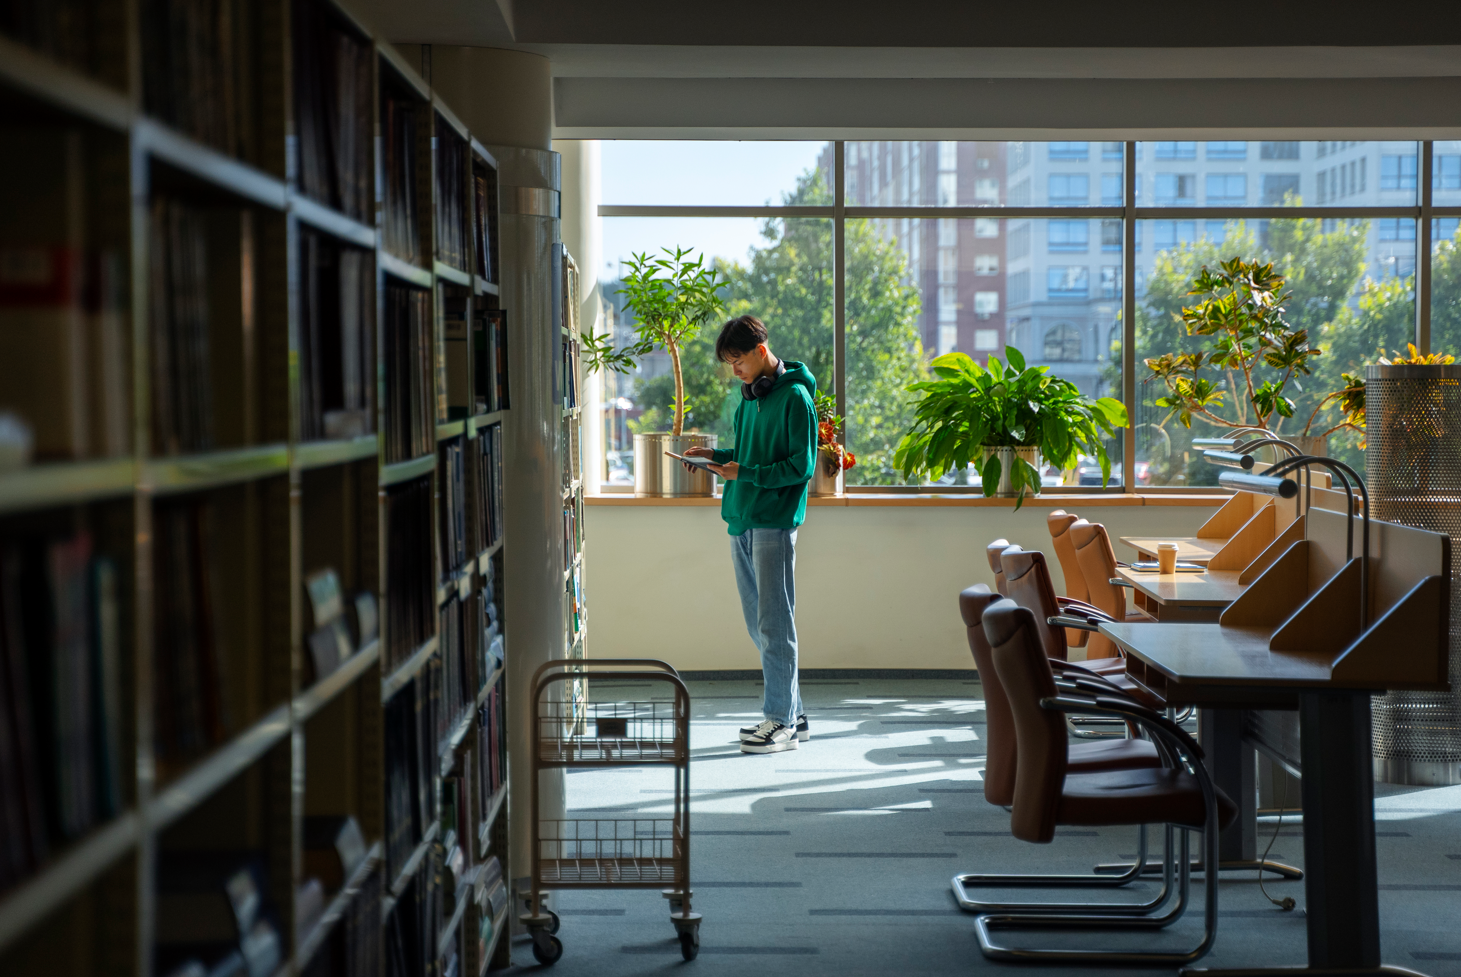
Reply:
x=1271 y=482
x=1241 y=456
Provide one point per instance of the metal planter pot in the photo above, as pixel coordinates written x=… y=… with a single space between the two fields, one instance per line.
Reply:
x=824 y=483
x=1007 y=458
x=658 y=476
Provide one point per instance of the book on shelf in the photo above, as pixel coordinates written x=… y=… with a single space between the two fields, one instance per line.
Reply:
x=411 y=763
x=336 y=339
x=355 y=949
x=414 y=927
x=484 y=212
x=410 y=576
x=333 y=98
x=189 y=713
x=452 y=357
x=64 y=354
x=491 y=903
x=453 y=487
x=60 y=698
x=570 y=359
x=489 y=360
x=178 y=297
x=492 y=746
x=487 y=486
x=457 y=682
x=410 y=417
x=329 y=640
x=451 y=191
x=199 y=61
x=400 y=230
x=490 y=647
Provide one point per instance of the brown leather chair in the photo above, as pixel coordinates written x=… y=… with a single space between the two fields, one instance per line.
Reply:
x=991 y=553
x=1048 y=794
x=1027 y=582
x=1098 y=564
x=1075 y=582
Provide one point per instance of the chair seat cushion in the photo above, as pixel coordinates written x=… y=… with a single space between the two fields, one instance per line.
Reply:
x=1143 y=796
x=1095 y=756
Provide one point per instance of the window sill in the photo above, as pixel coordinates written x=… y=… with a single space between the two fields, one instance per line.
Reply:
x=1088 y=500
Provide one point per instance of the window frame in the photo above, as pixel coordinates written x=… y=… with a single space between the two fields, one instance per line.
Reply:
x=1129 y=213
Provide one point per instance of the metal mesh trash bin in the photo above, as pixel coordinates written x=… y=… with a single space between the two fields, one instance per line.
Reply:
x=1413 y=471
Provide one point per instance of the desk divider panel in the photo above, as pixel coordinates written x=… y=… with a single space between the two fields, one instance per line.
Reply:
x=1273 y=551
x=1275 y=594
x=1249 y=541
x=1408 y=646
x=1224 y=523
x=1329 y=619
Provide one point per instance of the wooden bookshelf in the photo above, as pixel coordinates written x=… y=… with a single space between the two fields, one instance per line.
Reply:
x=258 y=506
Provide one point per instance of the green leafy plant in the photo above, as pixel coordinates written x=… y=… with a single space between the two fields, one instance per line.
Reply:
x=672 y=297
x=969 y=408
x=1255 y=352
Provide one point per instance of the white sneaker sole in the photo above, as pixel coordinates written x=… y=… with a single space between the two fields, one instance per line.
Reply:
x=802 y=736
x=781 y=747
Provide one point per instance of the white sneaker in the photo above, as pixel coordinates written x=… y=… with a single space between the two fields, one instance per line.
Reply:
x=771 y=737
x=803 y=729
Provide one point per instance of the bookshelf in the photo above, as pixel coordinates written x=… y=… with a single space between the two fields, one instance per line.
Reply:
x=265 y=477
x=575 y=620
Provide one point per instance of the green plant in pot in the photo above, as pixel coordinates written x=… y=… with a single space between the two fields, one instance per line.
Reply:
x=672 y=297
x=1003 y=418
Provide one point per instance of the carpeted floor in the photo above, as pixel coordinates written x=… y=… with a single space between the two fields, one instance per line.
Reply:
x=835 y=859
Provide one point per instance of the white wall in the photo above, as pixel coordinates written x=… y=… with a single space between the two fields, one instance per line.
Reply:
x=877 y=586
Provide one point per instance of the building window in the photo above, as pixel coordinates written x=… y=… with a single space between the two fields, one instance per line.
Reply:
x=1396 y=229
x=1069 y=189
x=1062 y=343
x=1227 y=150
x=1110 y=282
x=1019 y=155
x=948 y=304
x=1070 y=152
x=1067 y=282
x=1020 y=194
x=1277 y=188
x=1069 y=236
x=1279 y=150
x=948 y=189
x=1396 y=265
x=1166 y=235
x=1019 y=288
x=986 y=304
x=1111 y=190
x=1446 y=173
x=1444 y=229
x=986 y=227
x=1176 y=189
x=1397 y=172
x=1019 y=241
x=1227 y=188
x=948 y=156
x=1111 y=151
x=1176 y=150
x=1216 y=230
x=1110 y=235
x=986 y=340
x=986 y=189
x=948 y=232
x=948 y=266
x=986 y=264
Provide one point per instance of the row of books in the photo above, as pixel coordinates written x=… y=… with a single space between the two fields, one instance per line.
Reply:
x=410 y=420
x=414 y=926
x=486 y=522
x=61 y=743
x=453 y=553
x=491 y=745
x=354 y=947
x=409 y=571
x=399 y=228
x=190 y=714
x=491 y=649
x=214 y=915
x=491 y=904
x=572 y=531
x=573 y=609
x=182 y=361
x=338 y=626
x=572 y=458
x=451 y=196
x=336 y=339
x=59 y=29
x=484 y=205
x=571 y=355
x=334 y=98
x=199 y=61
x=411 y=768
x=453 y=360
x=64 y=355
x=458 y=684
x=489 y=360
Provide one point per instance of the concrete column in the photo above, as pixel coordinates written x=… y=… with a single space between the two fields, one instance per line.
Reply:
x=505 y=98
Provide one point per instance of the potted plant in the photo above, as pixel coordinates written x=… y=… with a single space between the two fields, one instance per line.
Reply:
x=1003 y=418
x=672 y=297
x=832 y=457
x=1242 y=310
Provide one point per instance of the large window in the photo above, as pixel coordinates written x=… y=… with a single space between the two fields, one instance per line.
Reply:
x=923 y=275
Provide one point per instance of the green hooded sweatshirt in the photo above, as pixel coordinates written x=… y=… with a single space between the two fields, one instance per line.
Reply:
x=776 y=447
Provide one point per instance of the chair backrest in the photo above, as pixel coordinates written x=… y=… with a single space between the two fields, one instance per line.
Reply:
x=1027 y=582
x=1098 y=564
x=991 y=553
x=1043 y=745
x=999 y=730
x=1075 y=581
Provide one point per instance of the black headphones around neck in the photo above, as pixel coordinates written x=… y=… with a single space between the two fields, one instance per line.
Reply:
x=762 y=385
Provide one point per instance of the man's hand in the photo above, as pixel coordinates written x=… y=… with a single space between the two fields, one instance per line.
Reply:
x=728 y=471
x=696 y=452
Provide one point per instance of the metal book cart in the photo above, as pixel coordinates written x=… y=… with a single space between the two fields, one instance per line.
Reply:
x=611 y=853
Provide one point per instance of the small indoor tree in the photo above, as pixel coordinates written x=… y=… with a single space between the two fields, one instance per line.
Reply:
x=672 y=298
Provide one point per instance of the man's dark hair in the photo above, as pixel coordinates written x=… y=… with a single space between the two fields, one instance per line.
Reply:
x=740 y=335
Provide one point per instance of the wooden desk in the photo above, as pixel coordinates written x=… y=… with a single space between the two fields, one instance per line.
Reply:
x=1190 y=549
x=1184 y=596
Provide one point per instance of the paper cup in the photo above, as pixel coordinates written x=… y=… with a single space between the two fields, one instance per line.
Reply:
x=1167 y=558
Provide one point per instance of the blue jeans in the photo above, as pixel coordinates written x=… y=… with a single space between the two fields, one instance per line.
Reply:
x=765 y=562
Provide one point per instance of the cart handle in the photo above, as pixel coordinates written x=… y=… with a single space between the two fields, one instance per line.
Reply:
x=672 y=679
x=565 y=663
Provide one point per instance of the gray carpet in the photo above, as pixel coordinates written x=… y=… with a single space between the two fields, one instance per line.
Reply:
x=835 y=858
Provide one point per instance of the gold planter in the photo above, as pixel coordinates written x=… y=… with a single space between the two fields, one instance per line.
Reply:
x=824 y=484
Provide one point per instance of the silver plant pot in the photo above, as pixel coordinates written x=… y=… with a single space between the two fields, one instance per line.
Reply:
x=825 y=485
x=658 y=476
x=1007 y=458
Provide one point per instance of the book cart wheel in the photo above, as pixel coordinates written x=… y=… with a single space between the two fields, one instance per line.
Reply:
x=690 y=943
x=547 y=948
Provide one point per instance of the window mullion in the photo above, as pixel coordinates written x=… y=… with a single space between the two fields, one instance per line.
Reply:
x=1423 y=251
x=839 y=279
x=1128 y=322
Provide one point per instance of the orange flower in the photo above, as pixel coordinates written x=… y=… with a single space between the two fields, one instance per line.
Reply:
x=848 y=460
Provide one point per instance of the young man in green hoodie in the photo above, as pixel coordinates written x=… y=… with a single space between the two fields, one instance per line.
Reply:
x=764 y=501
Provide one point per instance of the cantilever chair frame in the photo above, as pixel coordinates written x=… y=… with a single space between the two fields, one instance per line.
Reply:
x=1177 y=740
